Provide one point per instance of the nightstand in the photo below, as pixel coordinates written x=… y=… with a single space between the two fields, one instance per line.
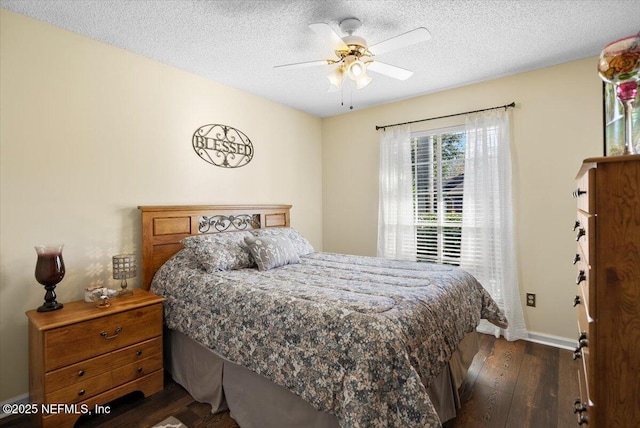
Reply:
x=82 y=356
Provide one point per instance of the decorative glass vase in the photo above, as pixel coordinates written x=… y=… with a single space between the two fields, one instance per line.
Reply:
x=49 y=272
x=620 y=65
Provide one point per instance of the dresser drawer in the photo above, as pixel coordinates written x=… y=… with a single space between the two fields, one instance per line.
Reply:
x=585 y=280
x=584 y=229
x=137 y=369
x=583 y=317
x=136 y=352
x=586 y=340
x=77 y=342
x=585 y=193
x=75 y=373
x=582 y=405
x=80 y=390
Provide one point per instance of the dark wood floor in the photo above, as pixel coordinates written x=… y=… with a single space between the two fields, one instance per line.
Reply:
x=518 y=384
x=510 y=384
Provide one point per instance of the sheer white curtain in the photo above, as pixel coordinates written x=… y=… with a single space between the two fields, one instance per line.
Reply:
x=396 y=224
x=488 y=243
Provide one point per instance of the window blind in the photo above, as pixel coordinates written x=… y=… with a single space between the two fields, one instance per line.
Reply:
x=438 y=176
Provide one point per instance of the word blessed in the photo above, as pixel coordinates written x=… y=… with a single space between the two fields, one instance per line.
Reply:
x=223 y=146
x=54 y=409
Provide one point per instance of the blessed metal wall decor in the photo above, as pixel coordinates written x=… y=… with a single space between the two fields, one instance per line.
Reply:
x=222 y=146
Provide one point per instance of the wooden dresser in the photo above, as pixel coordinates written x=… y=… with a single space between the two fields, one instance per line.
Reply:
x=608 y=291
x=83 y=356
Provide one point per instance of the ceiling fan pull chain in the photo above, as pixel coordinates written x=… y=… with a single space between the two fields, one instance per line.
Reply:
x=351 y=97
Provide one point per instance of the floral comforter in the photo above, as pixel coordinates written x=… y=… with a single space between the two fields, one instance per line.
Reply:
x=359 y=337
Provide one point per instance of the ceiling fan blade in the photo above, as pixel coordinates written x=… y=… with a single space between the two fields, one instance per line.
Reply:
x=412 y=37
x=389 y=70
x=306 y=64
x=324 y=30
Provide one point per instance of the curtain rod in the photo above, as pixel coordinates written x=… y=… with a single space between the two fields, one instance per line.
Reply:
x=506 y=106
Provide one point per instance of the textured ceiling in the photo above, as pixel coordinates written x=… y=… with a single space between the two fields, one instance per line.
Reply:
x=238 y=42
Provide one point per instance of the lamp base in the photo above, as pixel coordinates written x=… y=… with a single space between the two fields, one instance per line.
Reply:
x=125 y=292
x=49 y=306
x=50 y=302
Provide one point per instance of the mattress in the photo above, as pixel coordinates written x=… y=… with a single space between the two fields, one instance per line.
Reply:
x=361 y=338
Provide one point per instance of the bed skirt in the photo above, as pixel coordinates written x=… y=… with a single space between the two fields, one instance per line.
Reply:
x=256 y=402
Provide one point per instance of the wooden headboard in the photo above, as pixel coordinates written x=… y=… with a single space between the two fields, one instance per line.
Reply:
x=163 y=227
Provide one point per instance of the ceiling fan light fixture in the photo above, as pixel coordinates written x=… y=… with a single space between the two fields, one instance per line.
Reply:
x=357 y=69
x=336 y=77
x=363 y=81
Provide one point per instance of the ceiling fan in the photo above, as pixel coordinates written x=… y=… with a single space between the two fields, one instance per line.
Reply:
x=355 y=57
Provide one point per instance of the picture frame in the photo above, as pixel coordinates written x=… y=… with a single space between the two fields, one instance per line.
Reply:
x=613 y=121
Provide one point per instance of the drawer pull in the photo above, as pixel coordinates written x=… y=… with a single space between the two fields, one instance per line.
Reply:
x=581 y=233
x=579 y=408
x=138 y=353
x=81 y=373
x=81 y=392
x=581 y=277
x=577 y=353
x=576 y=225
x=139 y=370
x=576 y=259
x=106 y=335
x=576 y=301
x=579 y=192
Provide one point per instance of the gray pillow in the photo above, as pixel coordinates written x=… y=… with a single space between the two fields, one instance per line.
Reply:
x=220 y=251
x=272 y=251
x=300 y=243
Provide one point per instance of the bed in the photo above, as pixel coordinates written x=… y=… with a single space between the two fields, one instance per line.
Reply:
x=301 y=338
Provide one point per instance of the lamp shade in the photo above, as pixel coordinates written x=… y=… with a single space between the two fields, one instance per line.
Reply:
x=124 y=266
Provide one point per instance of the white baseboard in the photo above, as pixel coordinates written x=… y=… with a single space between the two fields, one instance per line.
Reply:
x=535 y=337
x=551 y=340
x=20 y=399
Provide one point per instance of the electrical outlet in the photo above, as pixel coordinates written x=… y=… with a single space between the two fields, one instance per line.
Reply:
x=531 y=300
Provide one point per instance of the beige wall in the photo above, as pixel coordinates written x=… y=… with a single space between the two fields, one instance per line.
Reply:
x=89 y=132
x=557 y=122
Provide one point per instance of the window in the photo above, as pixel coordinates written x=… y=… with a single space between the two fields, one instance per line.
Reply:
x=437 y=161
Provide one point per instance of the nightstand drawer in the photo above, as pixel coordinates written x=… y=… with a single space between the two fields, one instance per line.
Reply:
x=75 y=373
x=81 y=390
x=77 y=342
x=137 y=369
x=136 y=352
